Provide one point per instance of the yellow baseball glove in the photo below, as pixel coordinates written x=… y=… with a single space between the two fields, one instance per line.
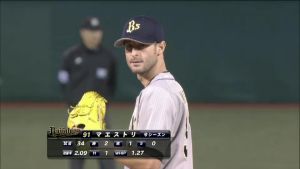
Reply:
x=89 y=113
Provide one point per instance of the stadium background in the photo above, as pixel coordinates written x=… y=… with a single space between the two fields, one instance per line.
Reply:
x=237 y=61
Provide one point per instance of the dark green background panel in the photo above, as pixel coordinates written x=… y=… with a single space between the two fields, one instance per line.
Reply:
x=218 y=51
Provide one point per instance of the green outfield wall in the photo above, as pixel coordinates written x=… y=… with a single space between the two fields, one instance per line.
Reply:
x=219 y=51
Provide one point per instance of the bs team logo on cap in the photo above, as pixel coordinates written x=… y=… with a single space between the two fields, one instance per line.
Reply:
x=132 y=26
x=141 y=29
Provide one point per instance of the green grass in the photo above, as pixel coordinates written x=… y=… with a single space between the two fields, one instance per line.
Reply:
x=222 y=138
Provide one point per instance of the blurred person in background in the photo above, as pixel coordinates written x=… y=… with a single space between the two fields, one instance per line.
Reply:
x=85 y=67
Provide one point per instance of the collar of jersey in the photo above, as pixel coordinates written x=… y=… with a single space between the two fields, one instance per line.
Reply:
x=162 y=76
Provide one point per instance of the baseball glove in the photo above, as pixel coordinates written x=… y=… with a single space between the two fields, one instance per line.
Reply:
x=89 y=113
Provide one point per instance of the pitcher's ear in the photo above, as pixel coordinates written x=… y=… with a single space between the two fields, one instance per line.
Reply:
x=161 y=46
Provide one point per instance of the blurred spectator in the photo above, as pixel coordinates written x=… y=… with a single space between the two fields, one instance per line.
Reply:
x=85 y=67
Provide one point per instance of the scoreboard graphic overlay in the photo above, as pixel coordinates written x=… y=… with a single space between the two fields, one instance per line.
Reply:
x=75 y=143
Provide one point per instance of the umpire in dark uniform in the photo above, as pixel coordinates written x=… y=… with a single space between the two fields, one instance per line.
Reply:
x=88 y=66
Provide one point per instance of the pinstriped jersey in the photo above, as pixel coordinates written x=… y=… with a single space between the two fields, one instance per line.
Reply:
x=162 y=105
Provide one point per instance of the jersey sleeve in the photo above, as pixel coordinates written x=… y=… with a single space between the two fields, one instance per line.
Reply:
x=66 y=63
x=157 y=110
x=63 y=74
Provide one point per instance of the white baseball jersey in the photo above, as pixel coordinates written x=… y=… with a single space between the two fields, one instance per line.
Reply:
x=162 y=105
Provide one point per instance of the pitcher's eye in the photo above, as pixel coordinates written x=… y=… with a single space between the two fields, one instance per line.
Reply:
x=140 y=46
x=137 y=46
x=128 y=47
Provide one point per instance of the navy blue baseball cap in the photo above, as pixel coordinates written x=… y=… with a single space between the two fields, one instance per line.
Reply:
x=141 y=29
x=91 y=23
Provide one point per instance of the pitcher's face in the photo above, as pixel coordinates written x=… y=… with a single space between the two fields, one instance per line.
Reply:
x=140 y=58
